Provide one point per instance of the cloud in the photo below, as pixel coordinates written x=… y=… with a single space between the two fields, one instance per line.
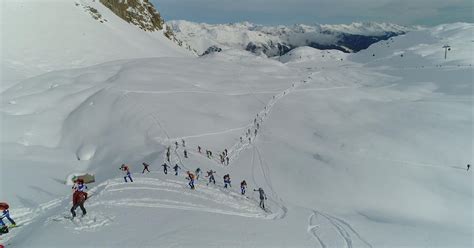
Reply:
x=318 y=11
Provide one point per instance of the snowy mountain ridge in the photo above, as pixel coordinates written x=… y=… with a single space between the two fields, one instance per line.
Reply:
x=277 y=40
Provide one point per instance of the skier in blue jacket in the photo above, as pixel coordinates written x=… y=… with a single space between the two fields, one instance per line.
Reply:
x=5 y=214
x=227 y=181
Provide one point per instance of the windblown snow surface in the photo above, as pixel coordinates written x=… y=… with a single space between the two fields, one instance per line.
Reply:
x=367 y=151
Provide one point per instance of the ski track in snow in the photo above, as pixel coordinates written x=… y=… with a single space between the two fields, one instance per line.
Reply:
x=238 y=147
x=312 y=229
x=197 y=92
x=235 y=150
x=265 y=172
x=211 y=133
x=228 y=202
x=210 y=198
x=25 y=216
x=344 y=230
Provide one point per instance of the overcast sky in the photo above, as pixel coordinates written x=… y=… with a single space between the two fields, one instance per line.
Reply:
x=273 y=12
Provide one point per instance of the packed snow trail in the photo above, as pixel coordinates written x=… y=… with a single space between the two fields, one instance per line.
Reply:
x=247 y=138
x=199 y=92
x=273 y=197
x=262 y=115
x=238 y=147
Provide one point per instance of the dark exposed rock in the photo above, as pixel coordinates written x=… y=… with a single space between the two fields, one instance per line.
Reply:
x=212 y=49
x=270 y=49
x=143 y=14
x=352 y=42
x=138 y=12
x=346 y=43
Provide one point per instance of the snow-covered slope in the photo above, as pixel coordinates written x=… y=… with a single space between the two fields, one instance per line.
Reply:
x=350 y=154
x=422 y=47
x=309 y=54
x=43 y=35
x=278 y=40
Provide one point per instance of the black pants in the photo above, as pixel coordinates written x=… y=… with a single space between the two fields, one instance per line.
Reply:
x=262 y=204
x=73 y=209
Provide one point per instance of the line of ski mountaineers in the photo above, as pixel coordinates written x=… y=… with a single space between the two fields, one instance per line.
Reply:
x=192 y=177
x=224 y=159
x=79 y=188
x=224 y=156
x=80 y=196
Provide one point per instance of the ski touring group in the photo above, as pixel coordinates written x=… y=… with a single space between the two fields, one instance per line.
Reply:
x=79 y=188
x=191 y=176
x=80 y=195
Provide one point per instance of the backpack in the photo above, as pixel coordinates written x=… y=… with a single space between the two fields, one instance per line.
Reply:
x=79 y=197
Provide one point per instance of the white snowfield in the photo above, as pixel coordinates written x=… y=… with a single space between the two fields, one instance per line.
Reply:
x=367 y=151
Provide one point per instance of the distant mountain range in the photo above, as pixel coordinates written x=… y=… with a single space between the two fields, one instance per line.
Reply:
x=278 y=40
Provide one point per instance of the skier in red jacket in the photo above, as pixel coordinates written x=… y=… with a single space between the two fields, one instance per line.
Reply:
x=126 y=172
x=79 y=197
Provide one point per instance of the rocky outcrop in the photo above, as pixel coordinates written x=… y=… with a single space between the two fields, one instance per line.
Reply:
x=143 y=14
x=212 y=49
x=269 y=49
x=138 y=12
